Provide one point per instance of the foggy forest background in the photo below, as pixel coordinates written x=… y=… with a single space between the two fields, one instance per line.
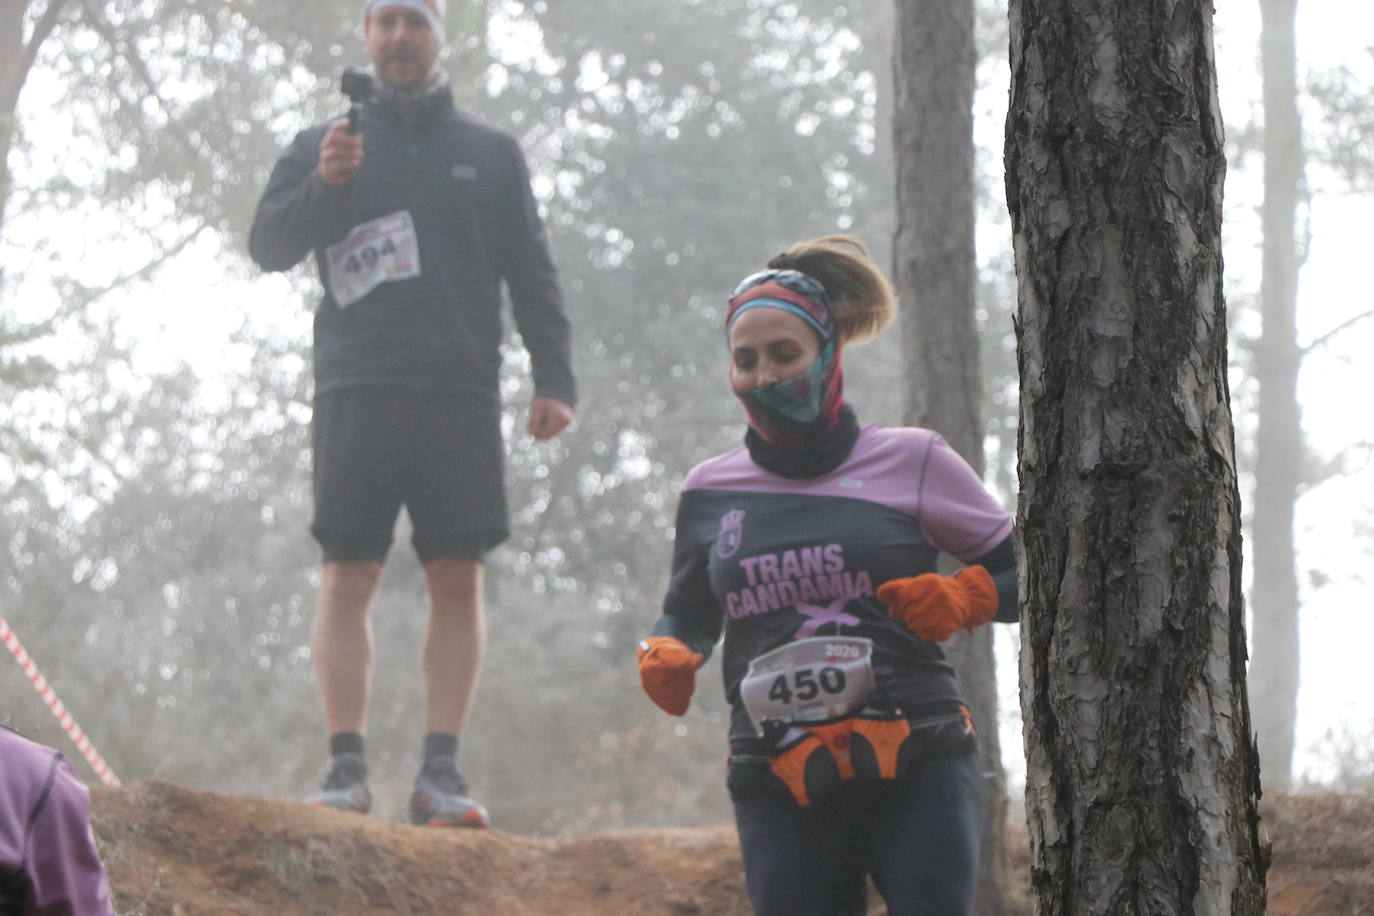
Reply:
x=154 y=496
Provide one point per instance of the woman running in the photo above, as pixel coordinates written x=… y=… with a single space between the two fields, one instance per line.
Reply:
x=813 y=549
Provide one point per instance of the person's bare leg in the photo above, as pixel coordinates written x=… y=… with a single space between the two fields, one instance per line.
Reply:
x=341 y=640
x=455 y=641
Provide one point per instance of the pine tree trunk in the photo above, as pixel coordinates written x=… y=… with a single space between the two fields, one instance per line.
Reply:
x=1279 y=448
x=1142 y=780
x=12 y=73
x=936 y=272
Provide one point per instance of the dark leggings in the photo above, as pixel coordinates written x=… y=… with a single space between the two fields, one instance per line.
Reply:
x=918 y=836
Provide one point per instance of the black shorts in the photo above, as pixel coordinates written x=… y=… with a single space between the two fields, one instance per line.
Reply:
x=439 y=454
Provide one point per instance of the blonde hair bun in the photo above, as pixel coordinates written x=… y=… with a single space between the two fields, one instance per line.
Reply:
x=861 y=298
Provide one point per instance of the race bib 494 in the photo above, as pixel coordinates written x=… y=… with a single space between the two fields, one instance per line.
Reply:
x=372 y=253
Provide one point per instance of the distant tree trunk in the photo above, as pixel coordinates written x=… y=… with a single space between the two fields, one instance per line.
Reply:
x=1279 y=445
x=12 y=74
x=936 y=272
x=16 y=59
x=1143 y=779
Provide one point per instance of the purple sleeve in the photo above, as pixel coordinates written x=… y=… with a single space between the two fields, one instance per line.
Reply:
x=958 y=515
x=62 y=865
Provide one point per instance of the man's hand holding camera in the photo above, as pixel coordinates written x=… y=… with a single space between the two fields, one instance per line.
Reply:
x=341 y=153
x=341 y=150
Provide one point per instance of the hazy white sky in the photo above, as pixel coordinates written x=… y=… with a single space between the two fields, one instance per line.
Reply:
x=1335 y=285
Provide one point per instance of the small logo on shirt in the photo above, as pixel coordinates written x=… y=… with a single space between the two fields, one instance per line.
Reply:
x=464 y=172
x=849 y=483
x=731 y=533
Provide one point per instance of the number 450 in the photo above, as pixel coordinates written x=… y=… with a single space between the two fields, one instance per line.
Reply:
x=803 y=684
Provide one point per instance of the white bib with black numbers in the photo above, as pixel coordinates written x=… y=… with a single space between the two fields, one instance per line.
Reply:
x=809 y=680
x=372 y=253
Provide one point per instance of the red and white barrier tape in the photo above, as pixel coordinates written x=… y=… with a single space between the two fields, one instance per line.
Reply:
x=40 y=683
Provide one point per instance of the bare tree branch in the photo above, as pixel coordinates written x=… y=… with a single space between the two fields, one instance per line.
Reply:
x=41 y=30
x=11 y=81
x=1338 y=329
x=1352 y=459
x=92 y=294
x=125 y=50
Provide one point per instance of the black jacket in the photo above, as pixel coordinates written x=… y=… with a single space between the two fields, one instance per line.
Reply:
x=467 y=188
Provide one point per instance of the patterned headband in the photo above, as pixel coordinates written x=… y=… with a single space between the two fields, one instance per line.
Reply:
x=789 y=290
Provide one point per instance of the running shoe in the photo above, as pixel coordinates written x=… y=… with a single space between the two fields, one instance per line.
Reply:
x=441 y=797
x=345 y=788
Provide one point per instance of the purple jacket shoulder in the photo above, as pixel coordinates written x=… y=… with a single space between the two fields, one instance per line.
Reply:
x=49 y=864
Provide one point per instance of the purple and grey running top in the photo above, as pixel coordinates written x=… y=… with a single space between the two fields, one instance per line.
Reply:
x=766 y=560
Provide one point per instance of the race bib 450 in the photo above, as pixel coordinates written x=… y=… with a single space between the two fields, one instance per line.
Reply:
x=809 y=680
x=372 y=253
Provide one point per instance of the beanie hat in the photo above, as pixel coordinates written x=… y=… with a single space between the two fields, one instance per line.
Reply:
x=432 y=10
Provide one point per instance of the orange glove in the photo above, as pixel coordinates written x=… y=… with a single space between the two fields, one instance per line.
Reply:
x=668 y=672
x=934 y=607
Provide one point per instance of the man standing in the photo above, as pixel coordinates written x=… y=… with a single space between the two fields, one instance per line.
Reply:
x=416 y=214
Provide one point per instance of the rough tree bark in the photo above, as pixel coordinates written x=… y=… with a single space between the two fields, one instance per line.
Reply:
x=1279 y=443
x=934 y=59
x=1143 y=779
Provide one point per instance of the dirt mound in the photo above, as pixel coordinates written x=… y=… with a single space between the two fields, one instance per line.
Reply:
x=171 y=850
x=182 y=852
x=1323 y=854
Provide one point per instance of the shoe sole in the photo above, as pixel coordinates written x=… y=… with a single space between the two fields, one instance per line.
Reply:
x=471 y=820
x=329 y=807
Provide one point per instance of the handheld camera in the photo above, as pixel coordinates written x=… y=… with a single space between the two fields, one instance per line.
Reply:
x=358 y=86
